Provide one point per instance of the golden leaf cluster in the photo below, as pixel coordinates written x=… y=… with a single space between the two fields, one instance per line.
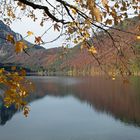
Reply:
x=19 y=45
x=10 y=12
x=17 y=88
x=92 y=50
x=23 y=6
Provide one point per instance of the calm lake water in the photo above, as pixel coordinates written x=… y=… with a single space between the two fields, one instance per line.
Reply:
x=68 y=108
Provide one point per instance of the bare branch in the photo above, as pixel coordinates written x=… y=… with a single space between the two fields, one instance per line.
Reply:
x=45 y=8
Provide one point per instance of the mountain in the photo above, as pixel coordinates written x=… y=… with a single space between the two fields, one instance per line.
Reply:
x=37 y=54
x=69 y=60
x=75 y=61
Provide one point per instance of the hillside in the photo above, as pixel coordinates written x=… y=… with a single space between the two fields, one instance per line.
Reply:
x=33 y=61
x=76 y=61
x=69 y=60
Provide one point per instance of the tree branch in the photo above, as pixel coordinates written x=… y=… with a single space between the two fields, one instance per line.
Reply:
x=41 y=7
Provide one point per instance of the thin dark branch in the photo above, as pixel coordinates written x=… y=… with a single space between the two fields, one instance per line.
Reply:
x=41 y=7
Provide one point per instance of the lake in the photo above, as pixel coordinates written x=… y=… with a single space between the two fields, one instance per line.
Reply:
x=76 y=108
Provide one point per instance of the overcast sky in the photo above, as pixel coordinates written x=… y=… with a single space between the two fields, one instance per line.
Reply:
x=27 y=25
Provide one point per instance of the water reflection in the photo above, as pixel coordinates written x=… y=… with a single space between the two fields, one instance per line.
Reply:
x=6 y=113
x=114 y=98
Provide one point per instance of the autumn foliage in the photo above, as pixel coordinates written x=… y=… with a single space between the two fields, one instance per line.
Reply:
x=79 y=21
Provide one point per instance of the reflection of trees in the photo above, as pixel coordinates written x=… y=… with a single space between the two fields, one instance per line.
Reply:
x=7 y=113
x=121 y=101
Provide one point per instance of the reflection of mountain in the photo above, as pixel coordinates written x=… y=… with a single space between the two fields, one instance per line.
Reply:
x=7 y=113
x=120 y=101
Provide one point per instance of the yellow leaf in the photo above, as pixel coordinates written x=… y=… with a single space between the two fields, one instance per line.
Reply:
x=113 y=78
x=104 y=2
x=92 y=50
x=86 y=34
x=96 y=12
x=10 y=38
x=20 y=46
x=10 y=12
x=138 y=37
x=30 y=33
x=23 y=72
x=19 y=3
x=1 y=70
x=75 y=41
x=73 y=11
x=108 y=21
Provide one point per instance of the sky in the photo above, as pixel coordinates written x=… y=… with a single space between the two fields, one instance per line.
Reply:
x=26 y=24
